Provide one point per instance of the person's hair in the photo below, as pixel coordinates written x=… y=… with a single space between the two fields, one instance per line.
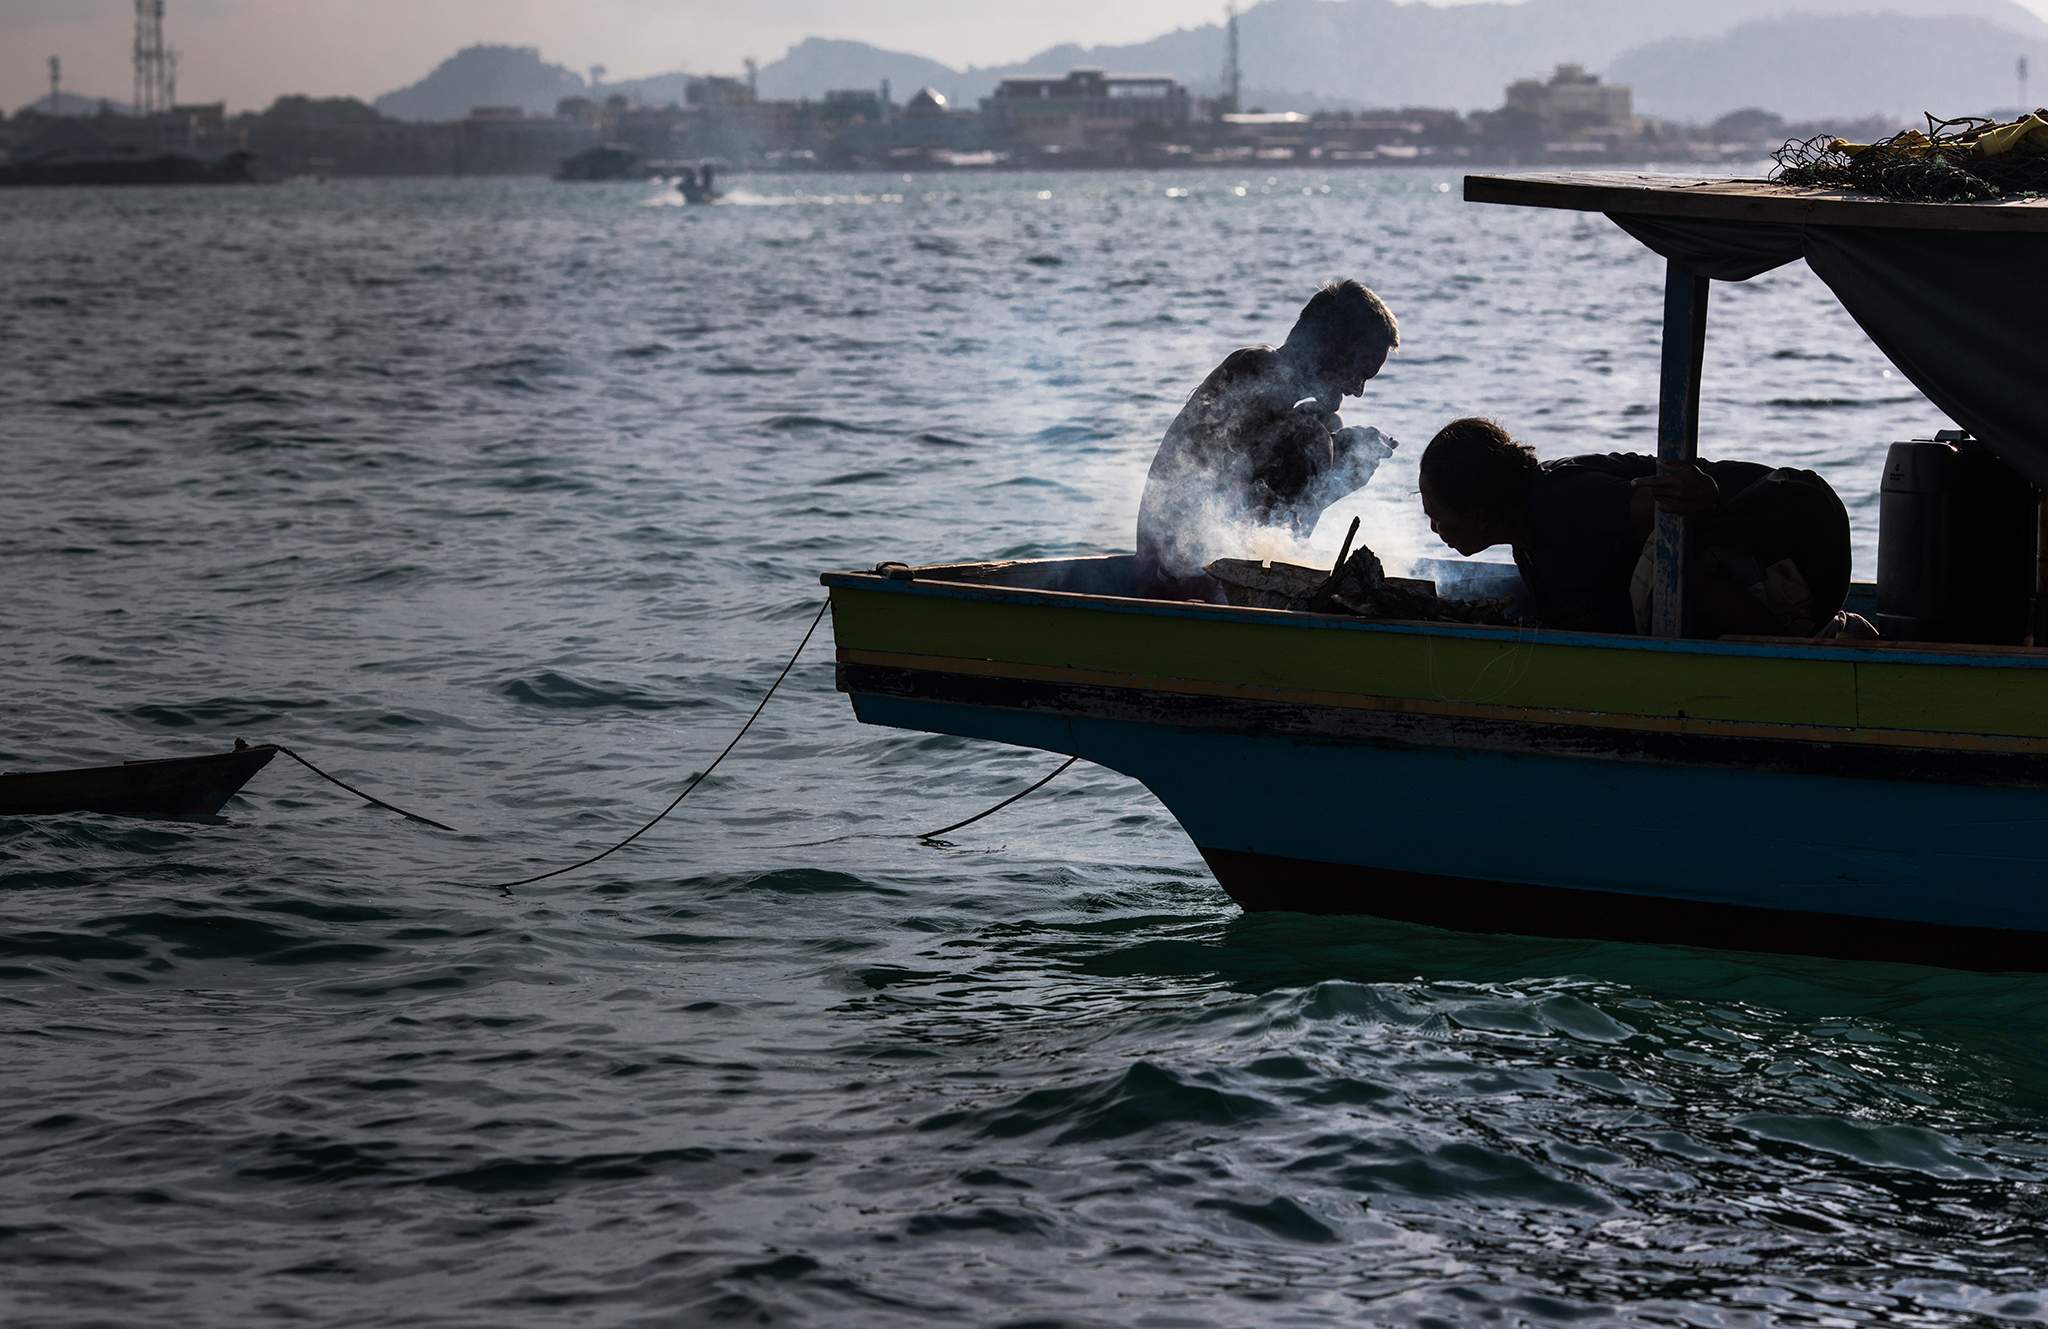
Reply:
x=1473 y=466
x=1343 y=314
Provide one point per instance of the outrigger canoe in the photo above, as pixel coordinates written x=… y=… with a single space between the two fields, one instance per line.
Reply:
x=1876 y=800
x=167 y=787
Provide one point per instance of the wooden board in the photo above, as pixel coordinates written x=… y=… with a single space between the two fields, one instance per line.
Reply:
x=1706 y=199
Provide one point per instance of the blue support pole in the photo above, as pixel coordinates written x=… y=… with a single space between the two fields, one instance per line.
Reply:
x=1678 y=441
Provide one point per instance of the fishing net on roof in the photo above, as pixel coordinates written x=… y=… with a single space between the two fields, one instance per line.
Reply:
x=1967 y=160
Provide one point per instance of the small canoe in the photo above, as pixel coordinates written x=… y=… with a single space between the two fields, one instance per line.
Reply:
x=168 y=787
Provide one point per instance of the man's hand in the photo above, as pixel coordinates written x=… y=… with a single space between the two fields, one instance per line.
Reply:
x=1683 y=489
x=1362 y=445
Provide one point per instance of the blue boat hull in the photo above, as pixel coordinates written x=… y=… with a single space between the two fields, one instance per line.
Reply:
x=1567 y=846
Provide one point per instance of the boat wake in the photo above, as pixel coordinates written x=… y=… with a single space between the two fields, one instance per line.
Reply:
x=745 y=198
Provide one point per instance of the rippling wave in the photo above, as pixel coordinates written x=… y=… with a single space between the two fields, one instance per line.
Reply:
x=504 y=500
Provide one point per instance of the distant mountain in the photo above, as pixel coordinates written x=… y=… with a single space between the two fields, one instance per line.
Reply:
x=1370 y=52
x=484 y=76
x=1310 y=54
x=327 y=112
x=71 y=103
x=817 y=65
x=1808 y=67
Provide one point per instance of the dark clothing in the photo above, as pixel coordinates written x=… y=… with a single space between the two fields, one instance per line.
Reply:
x=1787 y=516
x=1580 y=545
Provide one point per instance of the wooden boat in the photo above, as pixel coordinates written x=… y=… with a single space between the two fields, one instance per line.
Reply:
x=166 y=787
x=1870 y=800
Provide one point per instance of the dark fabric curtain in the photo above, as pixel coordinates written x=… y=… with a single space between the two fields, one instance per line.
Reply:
x=1964 y=315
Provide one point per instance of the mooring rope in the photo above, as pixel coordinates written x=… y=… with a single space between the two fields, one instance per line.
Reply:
x=933 y=835
x=389 y=807
x=696 y=779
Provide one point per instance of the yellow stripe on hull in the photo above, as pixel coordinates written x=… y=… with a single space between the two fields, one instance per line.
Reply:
x=1989 y=703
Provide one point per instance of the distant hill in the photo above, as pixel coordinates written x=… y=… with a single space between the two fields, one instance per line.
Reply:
x=817 y=65
x=1372 y=52
x=1810 y=67
x=1309 y=54
x=71 y=103
x=484 y=76
x=324 y=111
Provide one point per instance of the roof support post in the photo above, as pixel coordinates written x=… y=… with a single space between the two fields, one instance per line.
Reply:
x=1678 y=442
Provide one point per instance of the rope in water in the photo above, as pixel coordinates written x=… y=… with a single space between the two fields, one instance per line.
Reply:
x=933 y=835
x=389 y=807
x=695 y=780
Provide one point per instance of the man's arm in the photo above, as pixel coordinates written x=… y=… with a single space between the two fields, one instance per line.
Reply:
x=1687 y=490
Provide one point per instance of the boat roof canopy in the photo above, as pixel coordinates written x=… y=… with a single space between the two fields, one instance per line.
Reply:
x=1956 y=294
x=1702 y=198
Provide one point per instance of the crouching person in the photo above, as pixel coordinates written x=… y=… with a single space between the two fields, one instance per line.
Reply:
x=1773 y=544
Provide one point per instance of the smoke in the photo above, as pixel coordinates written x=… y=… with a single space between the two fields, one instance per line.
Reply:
x=1248 y=472
x=1212 y=524
x=1200 y=515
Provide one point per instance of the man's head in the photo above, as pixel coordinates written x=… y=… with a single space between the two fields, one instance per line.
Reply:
x=1475 y=483
x=1342 y=339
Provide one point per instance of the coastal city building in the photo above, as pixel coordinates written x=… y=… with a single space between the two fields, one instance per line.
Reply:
x=1572 y=99
x=930 y=124
x=1084 y=108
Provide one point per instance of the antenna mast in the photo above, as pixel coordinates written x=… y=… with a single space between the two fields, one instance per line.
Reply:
x=56 y=82
x=1233 y=77
x=153 y=64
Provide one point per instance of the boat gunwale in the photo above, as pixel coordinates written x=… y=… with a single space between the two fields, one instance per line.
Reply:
x=136 y=765
x=1964 y=656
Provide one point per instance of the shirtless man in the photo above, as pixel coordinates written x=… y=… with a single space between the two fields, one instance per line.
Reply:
x=1260 y=443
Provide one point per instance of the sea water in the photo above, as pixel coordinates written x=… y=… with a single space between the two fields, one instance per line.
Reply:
x=506 y=500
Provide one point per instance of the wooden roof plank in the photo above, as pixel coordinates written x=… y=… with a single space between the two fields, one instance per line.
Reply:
x=1702 y=198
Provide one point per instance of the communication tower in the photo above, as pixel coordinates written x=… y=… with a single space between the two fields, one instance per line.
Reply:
x=154 y=76
x=1233 y=76
x=753 y=77
x=56 y=83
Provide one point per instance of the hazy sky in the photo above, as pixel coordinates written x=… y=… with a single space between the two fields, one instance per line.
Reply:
x=246 y=52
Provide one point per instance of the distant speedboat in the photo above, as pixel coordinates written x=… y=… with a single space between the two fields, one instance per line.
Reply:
x=168 y=787
x=696 y=187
